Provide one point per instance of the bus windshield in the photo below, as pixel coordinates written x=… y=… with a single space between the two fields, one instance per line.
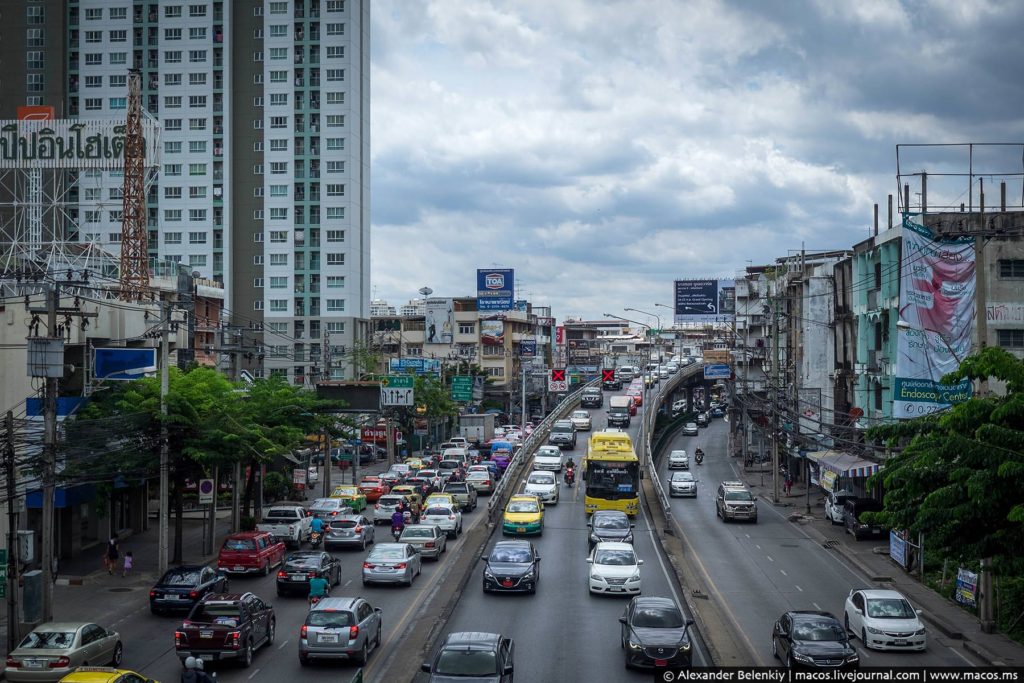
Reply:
x=612 y=480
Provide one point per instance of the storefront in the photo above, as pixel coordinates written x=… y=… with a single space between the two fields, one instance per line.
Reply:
x=843 y=471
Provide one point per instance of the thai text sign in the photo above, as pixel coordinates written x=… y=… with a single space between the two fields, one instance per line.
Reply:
x=704 y=300
x=71 y=143
x=966 y=592
x=495 y=289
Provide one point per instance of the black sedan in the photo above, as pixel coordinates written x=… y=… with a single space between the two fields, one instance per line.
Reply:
x=609 y=525
x=512 y=567
x=813 y=640
x=655 y=634
x=299 y=567
x=182 y=587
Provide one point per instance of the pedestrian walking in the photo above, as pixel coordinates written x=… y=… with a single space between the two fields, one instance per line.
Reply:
x=789 y=484
x=129 y=562
x=110 y=558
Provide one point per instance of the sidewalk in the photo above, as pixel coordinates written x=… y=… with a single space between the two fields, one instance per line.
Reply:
x=872 y=559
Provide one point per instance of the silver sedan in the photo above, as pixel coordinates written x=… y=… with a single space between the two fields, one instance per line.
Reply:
x=392 y=563
x=682 y=484
x=54 y=650
x=351 y=530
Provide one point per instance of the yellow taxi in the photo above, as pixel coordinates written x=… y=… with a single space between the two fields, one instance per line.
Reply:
x=103 y=674
x=524 y=515
x=415 y=463
x=408 y=491
x=352 y=496
x=441 y=499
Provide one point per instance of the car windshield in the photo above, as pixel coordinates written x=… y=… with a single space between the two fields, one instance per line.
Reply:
x=620 y=558
x=581 y=414
x=438 y=512
x=465 y=662
x=239 y=544
x=541 y=479
x=562 y=429
x=514 y=555
x=386 y=554
x=417 y=533
x=819 y=631
x=457 y=488
x=325 y=618
x=448 y=465
x=658 y=617
x=890 y=608
x=738 y=495
x=387 y=500
x=181 y=577
x=219 y=612
x=678 y=454
x=682 y=476
x=324 y=505
x=49 y=640
x=611 y=522
x=523 y=506
x=478 y=475
x=303 y=561
x=344 y=524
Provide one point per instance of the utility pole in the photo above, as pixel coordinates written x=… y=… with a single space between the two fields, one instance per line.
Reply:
x=522 y=420
x=165 y=456
x=775 y=395
x=49 y=460
x=13 y=619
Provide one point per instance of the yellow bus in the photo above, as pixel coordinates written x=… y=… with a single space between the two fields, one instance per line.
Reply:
x=611 y=474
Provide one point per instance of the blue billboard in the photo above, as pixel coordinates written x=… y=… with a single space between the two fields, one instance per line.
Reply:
x=717 y=371
x=123 y=363
x=495 y=289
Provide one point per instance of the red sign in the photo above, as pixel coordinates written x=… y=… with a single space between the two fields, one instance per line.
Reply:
x=557 y=375
x=607 y=375
x=41 y=112
x=376 y=435
x=560 y=335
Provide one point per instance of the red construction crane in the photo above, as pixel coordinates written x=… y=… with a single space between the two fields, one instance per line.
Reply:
x=134 y=235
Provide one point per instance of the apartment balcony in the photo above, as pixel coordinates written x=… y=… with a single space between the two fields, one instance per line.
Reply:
x=873 y=296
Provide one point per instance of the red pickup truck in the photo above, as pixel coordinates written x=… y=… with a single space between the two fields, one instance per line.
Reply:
x=250 y=552
x=226 y=626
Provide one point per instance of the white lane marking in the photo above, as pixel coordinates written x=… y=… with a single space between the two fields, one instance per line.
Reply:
x=757 y=546
x=799 y=588
x=783 y=572
x=864 y=651
x=281 y=646
x=347 y=583
x=747 y=535
x=769 y=558
x=961 y=656
x=253 y=674
x=817 y=607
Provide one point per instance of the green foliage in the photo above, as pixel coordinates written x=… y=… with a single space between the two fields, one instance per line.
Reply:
x=430 y=392
x=958 y=478
x=276 y=486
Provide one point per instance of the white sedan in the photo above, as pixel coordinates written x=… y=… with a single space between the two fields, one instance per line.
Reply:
x=614 y=569
x=581 y=420
x=690 y=429
x=544 y=485
x=884 y=620
x=682 y=484
x=447 y=517
x=678 y=460
x=548 y=458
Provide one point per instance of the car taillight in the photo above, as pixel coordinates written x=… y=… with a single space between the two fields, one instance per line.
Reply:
x=303 y=631
x=311 y=575
x=367 y=565
x=377 y=506
x=334 y=514
x=193 y=594
x=152 y=594
x=180 y=639
x=428 y=544
x=358 y=529
x=400 y=565
x=13 y=663
x=234 y=639
x=353 y=632
x=451 y=516
x=281 y=574
x=60 y=663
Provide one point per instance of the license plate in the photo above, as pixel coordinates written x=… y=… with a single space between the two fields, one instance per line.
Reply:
x=660 y=662
x=901 y=641
x=328 y=638
x=33 y=664
x=617 y=590
x=386 y=569
x=239 y=569
x=206 y=634
x=521 y=529
x=297 y=577
x=206 y=658
x=506 y=583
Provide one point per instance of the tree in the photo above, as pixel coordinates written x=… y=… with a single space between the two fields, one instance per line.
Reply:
x=958 y=477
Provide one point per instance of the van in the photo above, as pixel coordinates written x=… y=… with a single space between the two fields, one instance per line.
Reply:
x=853 y=511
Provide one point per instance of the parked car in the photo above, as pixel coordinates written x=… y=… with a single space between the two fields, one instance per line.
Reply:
x=490 y=656
x=54 y=649
x=392 y=563
x=812 y=640
x=447 y=517
x=465 y=493
x=183 y=586
x=428 y=539
x=682 y=484
x=654 y=634
x=226 y=627
x=340 y=628
x=250 y=552
x=853 y=511
x=835 y=502
x=301 y=566
x=678 y=459
x=544 y=485
x=614 y=569
x=329 y=508
x=482 y=482
x=373 y=487
x=287 y=523
x=884 y=620
x=512 y=566
x=609 y=525
x=348 y=530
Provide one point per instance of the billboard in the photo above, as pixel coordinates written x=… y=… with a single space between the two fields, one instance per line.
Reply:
x=124 y=364
x=528 y=348
x=704 y=300
x=717 y=371
x=439 y=321
x=937 y=286
x=492 y=332
x=495 y=289
x=559 y=335
x=35 y=142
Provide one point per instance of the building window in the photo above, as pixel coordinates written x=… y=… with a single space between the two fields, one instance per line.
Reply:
x=279 y=282
x=335 y=235
x=278 y=213
x=279 y=305
x=279 y=8
x=335 y=281
x=257 y=237
x=34 y=82
x=119 y=81
x=172 y=216
x=257 y=146
x=172 y=147
x=197 y=101
x=172 y=11
x=197 y=146
x=257 y=305
x=90 y=81
x=197 y=215
x=172 y=169
x=94 y=14
x=1011 y=268
x=197 y=238
x=197 y=169
x=335 y=259
x=172 y=34
x=197 y=260
x=336 y=328
x=92 y=194
x=197 y=56
x=172 y=57
x=278 y=99
x=335 y=190
x=93 y=103
x=279 y=259
x=34 y=37
x=279 y=145
x=278 y=53
x=94 y=59
x=335 y=5
x=338 y=306
x=197 y=192
x=257 y=192
x=119 y=36
x=118 y=13
x=94 y=36
x=197 y=79
x=1011 y=339
x=197 y=33
x=172 y=102
x=279 y=76
x=278 y=167
x=335 y=51
x=34 y=59
x=172 y=238
x=336 y=212
x=197 y=10
x=335 y=98
x=336 y=144
x=257 y=282
x=335 y=166
x=335 y=120
x=257 y=79
x=118 y=57
x=336 y=29
x=467 y=328
x=278 y=30
x=172 y=193
x=257 y=169
x=495 y=372
x=278 y=190
x=118 y=102
x=278 y=121
x=336 y=75
x=257 y=56
x=257 y=260
x=197 y=124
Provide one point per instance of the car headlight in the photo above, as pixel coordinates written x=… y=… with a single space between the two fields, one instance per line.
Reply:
x=529 y=575
x=685 y=645
x=635 y=577
x=876 y=631
x=919 y=632
x=488 y=573
x=628 y=538
x=853 y=658
x=634 y=646
x=801 y=657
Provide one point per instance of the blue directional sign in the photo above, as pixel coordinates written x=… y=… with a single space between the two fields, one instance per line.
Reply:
x=123 y=364
x=718 y=371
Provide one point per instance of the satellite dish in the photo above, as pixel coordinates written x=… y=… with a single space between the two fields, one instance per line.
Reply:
x=426 y=291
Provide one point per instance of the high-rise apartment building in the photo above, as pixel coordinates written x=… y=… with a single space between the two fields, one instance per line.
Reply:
x=263 y=181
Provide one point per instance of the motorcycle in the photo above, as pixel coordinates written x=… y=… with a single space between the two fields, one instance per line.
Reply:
x=396 y=531
x=570 y=476
x=315 y=538
x=699 y=456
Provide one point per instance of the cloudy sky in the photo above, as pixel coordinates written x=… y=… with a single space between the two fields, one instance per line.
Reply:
x=603 y=148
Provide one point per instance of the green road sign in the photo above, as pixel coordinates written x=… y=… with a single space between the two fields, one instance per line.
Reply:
x=462 y=388
x=399 y=381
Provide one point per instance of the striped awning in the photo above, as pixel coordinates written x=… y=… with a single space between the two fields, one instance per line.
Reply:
x=845 y=464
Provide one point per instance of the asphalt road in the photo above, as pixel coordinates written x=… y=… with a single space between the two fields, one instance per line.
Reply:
x=149 y=640
x=563 y=633
x=762 y=570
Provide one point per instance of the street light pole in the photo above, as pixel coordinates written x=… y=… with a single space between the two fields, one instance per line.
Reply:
x=641 y=434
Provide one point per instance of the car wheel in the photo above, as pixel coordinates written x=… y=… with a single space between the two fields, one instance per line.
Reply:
x=304 y=661
x=271 y=633
x=864 y=637
x=115 y=661
x=225 y=588
x=789 y=660
x=377 y=641
x=365 y=582
x=280 y=594
x=362 y=543
x=265 y=569
x=246 y=659
x=156 y=611
x=337 y=577
x=775 y=648
x=361 y=657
